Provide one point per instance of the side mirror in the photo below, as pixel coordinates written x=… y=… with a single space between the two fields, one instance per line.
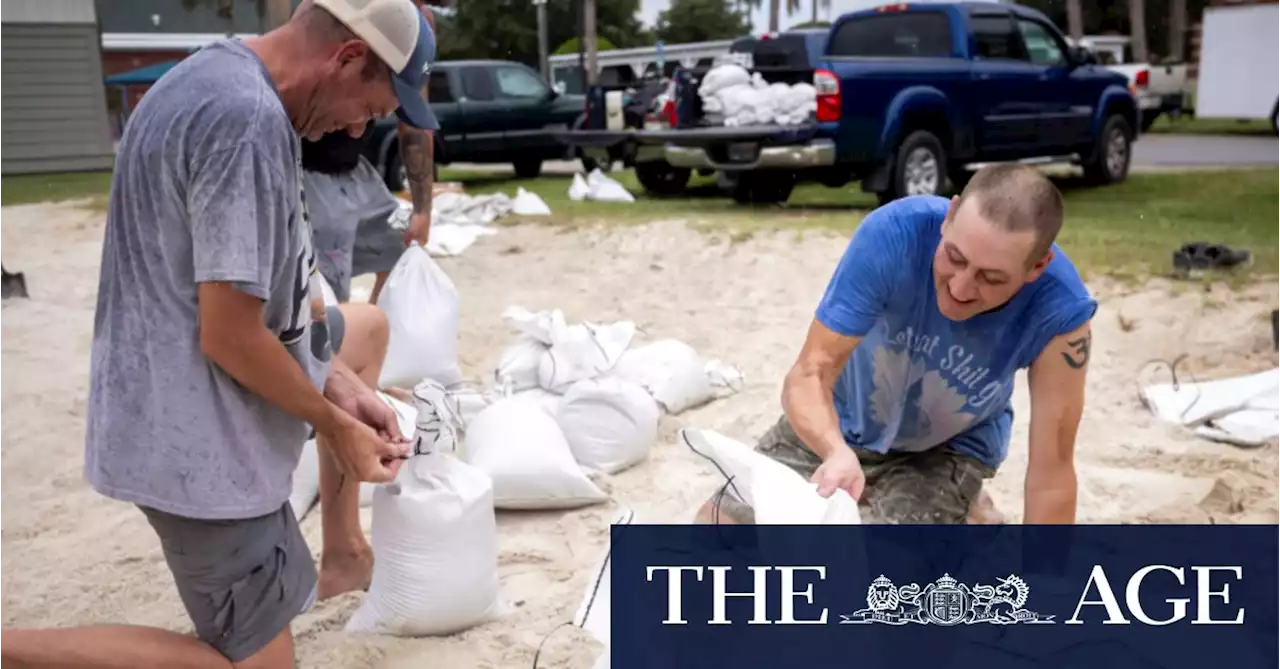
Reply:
x=558 y=88
x=1082 y=56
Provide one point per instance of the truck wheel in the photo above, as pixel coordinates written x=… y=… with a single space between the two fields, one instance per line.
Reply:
x=918 y=168
x=528 y=169
x=1110 y=161
x=770 y=187
x=660 y=178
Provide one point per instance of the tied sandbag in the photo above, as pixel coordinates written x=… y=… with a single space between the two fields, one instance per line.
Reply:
x=671 y=371
x=522 y=449
x=421 y=304
x=610 y=424
x=776 y=493
x=595 y=610
x=517 y=368
x=435 y=549
x=306 y=481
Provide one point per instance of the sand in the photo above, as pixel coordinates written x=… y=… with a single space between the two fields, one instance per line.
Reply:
x=71 y=556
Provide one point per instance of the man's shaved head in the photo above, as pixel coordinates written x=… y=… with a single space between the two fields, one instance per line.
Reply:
x=1017 y=198
x=997 y=237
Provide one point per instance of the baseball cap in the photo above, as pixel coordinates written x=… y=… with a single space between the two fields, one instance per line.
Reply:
x=399 y=34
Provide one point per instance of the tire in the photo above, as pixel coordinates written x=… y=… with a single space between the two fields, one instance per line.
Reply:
x=1112 y=153
x=528 y=169
x=661 y=179
x=589 y=165
x=919 y=168
x=767 y=187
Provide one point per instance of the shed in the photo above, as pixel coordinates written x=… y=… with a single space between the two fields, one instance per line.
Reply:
x=54 y=105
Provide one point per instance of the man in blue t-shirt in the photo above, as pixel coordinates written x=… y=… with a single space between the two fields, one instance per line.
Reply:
x=901 y=393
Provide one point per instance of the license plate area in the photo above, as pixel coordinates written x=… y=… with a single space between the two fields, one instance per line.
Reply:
x=743 y=152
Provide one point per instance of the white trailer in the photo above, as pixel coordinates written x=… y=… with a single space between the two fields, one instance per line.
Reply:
x=1239 y=76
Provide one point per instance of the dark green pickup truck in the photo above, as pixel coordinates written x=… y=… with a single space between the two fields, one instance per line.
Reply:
x=490 y=111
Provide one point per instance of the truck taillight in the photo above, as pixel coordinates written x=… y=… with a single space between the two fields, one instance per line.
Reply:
x=827 y=86
x=1143 y=79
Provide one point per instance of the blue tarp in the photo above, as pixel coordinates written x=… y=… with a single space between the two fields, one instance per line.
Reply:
x=142 y=76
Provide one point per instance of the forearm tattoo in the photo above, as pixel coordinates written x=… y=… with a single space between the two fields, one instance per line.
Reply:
x=417 y=152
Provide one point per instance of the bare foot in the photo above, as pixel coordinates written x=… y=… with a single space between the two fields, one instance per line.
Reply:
x=345 y=572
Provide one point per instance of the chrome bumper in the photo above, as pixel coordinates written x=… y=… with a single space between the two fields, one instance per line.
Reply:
x=818 y=153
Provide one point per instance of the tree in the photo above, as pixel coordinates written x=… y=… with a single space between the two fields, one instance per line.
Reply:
x=508 y=29
x=701 y=20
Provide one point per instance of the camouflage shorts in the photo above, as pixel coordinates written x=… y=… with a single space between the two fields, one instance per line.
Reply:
x=929 y=488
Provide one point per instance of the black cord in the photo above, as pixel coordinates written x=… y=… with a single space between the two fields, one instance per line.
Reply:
x=538 y=653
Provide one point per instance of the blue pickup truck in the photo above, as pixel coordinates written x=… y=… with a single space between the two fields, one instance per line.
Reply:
x=909 y=97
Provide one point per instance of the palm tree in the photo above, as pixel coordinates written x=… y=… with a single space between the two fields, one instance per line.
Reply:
x=1075 y=20
x=826 y=4
x=1138 y=30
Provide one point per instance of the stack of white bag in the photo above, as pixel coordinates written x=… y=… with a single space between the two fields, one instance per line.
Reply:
x=435 y=547
x=740 y=98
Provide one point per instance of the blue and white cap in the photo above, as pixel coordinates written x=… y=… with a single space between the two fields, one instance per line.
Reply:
x=397 y=31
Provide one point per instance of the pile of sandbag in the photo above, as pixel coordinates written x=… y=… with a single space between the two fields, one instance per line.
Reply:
x=598 y=187
x=734 y=97
x=458 y=219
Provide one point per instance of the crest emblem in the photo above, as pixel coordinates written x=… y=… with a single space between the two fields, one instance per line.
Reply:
x=946 y=602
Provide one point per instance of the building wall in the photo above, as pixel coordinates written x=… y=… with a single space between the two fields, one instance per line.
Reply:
x=54 y=106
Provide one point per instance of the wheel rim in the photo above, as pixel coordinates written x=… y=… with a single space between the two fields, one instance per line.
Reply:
x=1117 y=152
x=922 y=173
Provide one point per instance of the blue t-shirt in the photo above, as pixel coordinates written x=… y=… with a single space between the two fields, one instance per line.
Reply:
x=919 y=380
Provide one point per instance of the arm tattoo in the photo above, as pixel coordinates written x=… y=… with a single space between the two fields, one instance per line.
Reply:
x=1081 y=347
x=417 y=153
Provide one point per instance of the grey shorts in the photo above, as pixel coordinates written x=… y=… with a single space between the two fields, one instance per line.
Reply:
x=932 y=487
x=242 y=581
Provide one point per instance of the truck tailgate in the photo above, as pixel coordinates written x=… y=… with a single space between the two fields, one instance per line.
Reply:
x=711 y=136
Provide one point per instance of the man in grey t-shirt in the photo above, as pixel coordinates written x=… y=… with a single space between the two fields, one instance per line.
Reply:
x=207 y=372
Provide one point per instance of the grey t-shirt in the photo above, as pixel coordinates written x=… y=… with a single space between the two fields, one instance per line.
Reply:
x=206 y=188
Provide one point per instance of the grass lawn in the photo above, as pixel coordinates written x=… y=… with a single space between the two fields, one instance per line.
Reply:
x=1187 y=125
x=1129 y=229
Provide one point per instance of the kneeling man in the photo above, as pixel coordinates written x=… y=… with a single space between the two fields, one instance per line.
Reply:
x=901 y=393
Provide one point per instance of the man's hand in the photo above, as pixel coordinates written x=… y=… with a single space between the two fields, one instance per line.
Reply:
x=366 y=440
x=419 y=229
x=1057 y=384
x=810 y=407
x=362 y=453
x=840 y=471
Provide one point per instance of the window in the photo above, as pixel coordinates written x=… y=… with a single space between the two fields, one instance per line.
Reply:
x=894 y=35
x=438 y=89
x=476 y=84
x=994 y=38
x=516 y=82
x=1042 y=45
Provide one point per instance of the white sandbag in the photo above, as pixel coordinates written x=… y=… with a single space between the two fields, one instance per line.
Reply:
x=421 y=304
x=517 y=368
x=578 y=189
x=777 y=494
x=522 y=449
x=604 y=188
x=610 y=423
x=435 y=548
x=437 y=421
x=306 y=481
x=582 y=351
x=529 y=204
x=671 y=371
